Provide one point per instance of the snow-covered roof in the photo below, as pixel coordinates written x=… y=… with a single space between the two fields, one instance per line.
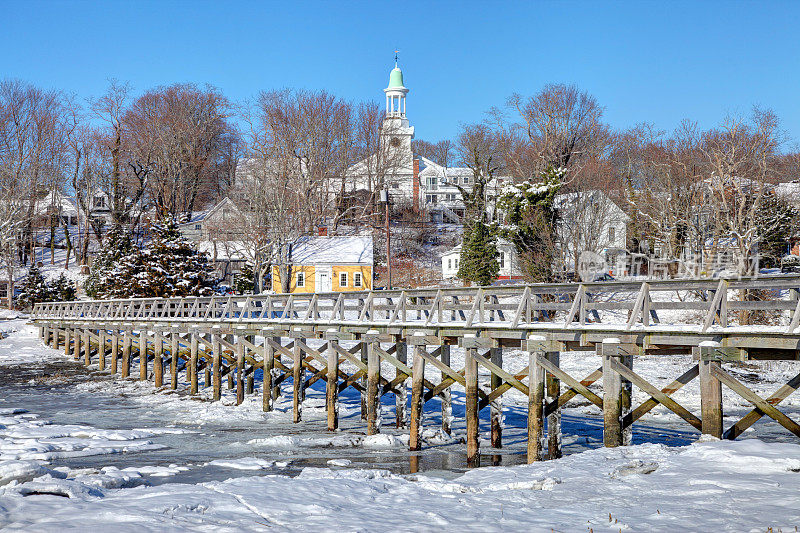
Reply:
x=501 y=243
x=578 y=200
x=226 y=250
x=333 y=250
x=56 y=199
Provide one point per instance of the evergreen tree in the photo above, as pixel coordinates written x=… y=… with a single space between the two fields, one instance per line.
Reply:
x=63 y=289
x=34 y=289
x=243 y=280
x=479 y=256
x=168 y=266
x=103 y=281
x=775 y=221
x=531 y=222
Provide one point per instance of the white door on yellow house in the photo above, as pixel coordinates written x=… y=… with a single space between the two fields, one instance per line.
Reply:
x=323 y=281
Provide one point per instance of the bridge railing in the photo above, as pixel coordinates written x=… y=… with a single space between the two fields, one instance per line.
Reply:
x=707 y=301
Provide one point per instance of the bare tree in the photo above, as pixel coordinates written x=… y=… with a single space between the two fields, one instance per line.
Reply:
x=562 y=127
x=178 y=137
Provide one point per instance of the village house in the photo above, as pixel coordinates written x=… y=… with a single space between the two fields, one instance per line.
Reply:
x=329 y=264
x=508 y=260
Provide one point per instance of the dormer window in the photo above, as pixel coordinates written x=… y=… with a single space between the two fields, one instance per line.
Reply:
x=99 y=202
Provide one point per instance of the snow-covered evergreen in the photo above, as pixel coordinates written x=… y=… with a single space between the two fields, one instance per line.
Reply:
x=167 y=266
x=34 y=289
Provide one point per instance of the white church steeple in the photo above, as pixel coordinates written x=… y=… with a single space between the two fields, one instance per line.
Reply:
x=396 y=93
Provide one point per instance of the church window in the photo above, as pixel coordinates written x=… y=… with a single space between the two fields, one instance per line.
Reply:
x=502 y=259
x=395 y=142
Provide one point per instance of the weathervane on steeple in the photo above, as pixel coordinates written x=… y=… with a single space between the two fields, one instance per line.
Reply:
x=395 y=57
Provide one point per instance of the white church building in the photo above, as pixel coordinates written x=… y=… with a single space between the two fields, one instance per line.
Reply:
x=410 y=178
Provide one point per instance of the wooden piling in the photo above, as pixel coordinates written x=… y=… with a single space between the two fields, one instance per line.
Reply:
x=114 y=350
x=364 y=351
x=471 y=401
x=217 y=371
x=417 y=383
x=76 y=344
x=126 y=353
x=101 y=349
x=710 y=390
x=447 y=401
x=536 y=384
x=86 y=342
x=158 y=358
x=174 y=349
x=266 y=376
x=193 y=349
x=239 y=371
x=332 y=380
x=67 y=341
x=496 y=405
x=298 y=392
x=401 y=398
x=143 y=340
x=373 y=383
x=612 y=388
x=552 y=392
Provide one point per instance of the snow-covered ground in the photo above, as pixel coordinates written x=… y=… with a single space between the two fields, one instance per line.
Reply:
x=82 y=449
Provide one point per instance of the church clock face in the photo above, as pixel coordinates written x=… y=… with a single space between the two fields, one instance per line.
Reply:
x=395 y=142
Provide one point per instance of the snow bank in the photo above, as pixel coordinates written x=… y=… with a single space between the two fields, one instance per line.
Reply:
x=708 y=486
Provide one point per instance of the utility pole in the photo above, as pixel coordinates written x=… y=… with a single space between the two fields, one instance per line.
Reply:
x=385 y=200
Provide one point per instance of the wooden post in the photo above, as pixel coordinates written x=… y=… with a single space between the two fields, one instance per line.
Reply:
x=710 y=389
x=612 y=389
x=552 y=391
x=87 y=348
x=239 y=371
x=67 y=340
x=536 y=379
x=471 y=400
x=417 y=383
x=158 y=358
x=626 y=394
x=126 y=353
x=298 y=392
x=174 y=348
x=496 y=405
x=216 y=394
x=364 y=351
x=114 y=350
x=332 y=381
x=276 y=389
x=447 y=401
x=373 y=383
x=101 y=349
x=193 y=349
x=76 y=344
x=266 y=376
x=401 y=399
x=143 y=336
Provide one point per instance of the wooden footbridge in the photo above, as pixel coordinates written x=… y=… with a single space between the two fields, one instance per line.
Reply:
x=409 y=329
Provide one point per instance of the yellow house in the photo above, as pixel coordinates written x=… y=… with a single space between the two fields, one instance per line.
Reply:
x=329 y=264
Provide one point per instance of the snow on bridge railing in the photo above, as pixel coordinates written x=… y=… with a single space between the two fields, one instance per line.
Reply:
x=621 y=302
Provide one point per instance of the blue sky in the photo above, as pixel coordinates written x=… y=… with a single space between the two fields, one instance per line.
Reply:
x=644 y=61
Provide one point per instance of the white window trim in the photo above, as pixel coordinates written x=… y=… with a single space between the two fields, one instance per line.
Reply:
x=341 y=274
x=300 y=276
x=358 y=279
